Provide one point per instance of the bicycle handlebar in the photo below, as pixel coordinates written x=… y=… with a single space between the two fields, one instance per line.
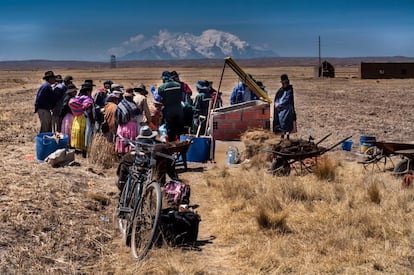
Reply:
x=136 y=145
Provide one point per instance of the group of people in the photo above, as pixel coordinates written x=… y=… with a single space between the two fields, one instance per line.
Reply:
x=119 y=113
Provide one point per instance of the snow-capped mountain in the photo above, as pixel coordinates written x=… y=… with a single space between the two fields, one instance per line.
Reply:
x=211 y=44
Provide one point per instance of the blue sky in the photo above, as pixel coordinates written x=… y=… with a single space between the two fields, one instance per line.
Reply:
x=87 y=30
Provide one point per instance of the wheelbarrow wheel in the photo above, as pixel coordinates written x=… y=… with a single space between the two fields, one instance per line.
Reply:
x=280 y=167
x=403 y=167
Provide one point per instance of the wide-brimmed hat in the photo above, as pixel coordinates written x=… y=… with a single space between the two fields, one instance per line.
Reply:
x=68 y=78
x=141 y=89
x=116 y=86
x=260 y=84
x=59 y=77
x=109 y=82
x=89 y=81
x=146 y=132
x=118 y=93
x=49 y=74
x=71 y=88
x=284 y=78
x=88 y=84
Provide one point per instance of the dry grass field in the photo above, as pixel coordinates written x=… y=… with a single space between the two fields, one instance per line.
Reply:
x=61 y=220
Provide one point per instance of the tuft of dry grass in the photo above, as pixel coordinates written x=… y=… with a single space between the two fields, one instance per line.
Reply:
x=326 y=169
x=275 y=221
x=102 y=152
x=374 y=193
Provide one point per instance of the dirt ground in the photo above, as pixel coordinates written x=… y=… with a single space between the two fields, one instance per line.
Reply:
x=61 y=220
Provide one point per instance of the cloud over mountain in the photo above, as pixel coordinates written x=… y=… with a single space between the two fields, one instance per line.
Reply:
x=210 y=44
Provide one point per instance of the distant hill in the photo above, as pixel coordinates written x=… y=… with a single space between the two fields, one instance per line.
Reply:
x=253 y=62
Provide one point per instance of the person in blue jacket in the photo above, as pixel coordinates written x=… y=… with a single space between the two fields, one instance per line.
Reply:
x=284 y=117
x=242 y=93
x=45 y=101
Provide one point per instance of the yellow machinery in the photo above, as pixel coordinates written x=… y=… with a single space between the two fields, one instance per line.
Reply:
x=245 y=78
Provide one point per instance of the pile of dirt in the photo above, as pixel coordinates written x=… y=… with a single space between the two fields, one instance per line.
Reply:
x=296 y=147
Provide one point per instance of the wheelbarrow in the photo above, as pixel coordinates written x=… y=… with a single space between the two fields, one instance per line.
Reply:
x=381 y=152
x=307 y=159
x=179 y=150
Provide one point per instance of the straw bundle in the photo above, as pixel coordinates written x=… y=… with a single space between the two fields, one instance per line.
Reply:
x=102 y=152
x=255 y=142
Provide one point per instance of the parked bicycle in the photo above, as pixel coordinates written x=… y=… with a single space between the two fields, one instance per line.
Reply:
x=140 y=201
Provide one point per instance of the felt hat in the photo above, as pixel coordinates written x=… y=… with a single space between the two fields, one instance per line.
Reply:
x=90 y=82
x=71 y=88
x=141 y=89
x=146 y=132
x=284 y=78
x=108 y=82
x=59 y=77
x=49 y=74
x=68 y=78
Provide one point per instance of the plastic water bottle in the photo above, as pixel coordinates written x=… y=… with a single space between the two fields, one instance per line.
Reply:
x=232 y=155
x=154 y=90
x=163 y=133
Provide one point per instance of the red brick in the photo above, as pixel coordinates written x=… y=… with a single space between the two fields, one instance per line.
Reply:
x=225 y=125
x=233 y=115
x=248 y=115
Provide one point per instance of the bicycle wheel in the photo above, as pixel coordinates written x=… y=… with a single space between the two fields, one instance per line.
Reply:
x=145 y=221
x=403 y=167
x=125 y=206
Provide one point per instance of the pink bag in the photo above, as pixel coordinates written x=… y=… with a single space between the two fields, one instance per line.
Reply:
x=177 y=192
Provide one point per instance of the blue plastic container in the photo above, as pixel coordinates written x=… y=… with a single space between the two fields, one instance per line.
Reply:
x=347 y=145
x=45 y=146
x=365 y=142
x=199 y=150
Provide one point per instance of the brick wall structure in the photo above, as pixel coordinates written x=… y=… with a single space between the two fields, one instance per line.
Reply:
x=228 y=123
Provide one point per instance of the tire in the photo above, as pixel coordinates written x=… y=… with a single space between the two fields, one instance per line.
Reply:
x=280 y=167
x=126 y=197
x=403 y=167
x=145 y=221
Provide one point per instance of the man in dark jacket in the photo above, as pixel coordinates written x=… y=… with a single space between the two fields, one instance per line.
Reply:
x=45 y=101
x=170 y=92
x=202 y=106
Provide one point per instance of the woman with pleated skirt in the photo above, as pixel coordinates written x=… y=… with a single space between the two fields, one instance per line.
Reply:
x=126 y=115
x=82 y=106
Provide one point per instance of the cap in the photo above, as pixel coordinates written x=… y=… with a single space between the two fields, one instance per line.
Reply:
x=166 y=75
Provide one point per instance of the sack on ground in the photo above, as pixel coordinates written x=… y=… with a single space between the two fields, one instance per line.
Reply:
x=179 y=228
x=60 y=157
x=177 y=192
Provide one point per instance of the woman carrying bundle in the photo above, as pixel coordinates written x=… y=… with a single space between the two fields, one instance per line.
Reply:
x=126 y=116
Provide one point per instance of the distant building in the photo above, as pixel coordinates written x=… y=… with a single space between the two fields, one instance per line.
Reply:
x=326 y=70
x=376 y=70
x=113 y=61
